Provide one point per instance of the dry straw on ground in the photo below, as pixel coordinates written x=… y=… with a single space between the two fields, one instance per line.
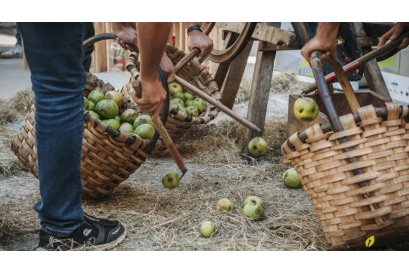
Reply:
x=161 y=219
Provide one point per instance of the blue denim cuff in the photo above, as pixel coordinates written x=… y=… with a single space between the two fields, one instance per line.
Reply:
x=60 y=233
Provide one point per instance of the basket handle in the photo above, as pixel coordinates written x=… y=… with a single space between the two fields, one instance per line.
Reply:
x=345 y=84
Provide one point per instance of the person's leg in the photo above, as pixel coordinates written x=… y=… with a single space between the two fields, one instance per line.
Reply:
x=16 y=51
x=18 y=35
x=54 y=54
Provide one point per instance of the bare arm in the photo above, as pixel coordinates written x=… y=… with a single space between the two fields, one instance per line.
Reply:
x=200 y=40
x=152 y=37
x=324 y=40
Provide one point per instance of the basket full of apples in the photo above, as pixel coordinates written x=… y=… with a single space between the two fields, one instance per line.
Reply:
x=116 y=141
x=185 y=109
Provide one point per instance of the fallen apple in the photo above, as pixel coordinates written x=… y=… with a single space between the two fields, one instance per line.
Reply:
x=306 y=109
x=256 y=199
x=171 y=180
x=291 y=179
x=207 y=228
x=253 y=210
x=257 y=146
x=225 y=204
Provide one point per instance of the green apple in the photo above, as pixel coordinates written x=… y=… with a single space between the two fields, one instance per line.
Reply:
x=192 y=111
x=189 y=103
x=253 y=210
x=306 y=109
x=126 y=127
x=144 y=119
x=171 y=180
x=114 y=124
x=225 y=205
x=115 y=96
x=145 y=131
x=107 y=109
x=175 y=102
x=257 y=146
x=91 y=106
x=207 y=228
x=96 y=96
x=92 y=113
x=199 y=104
x=187 y=96
x=291 y=179
x=254 y=199
x=129 y=115
x=118 y=119
x=174 y=88
x=86 y=103
x=179 y=96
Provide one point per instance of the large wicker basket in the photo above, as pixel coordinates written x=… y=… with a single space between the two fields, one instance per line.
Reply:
x=109 y=157
x=178 y=123
x=355 y=170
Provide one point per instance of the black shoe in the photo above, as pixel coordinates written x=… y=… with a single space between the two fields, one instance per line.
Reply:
x=94 y=234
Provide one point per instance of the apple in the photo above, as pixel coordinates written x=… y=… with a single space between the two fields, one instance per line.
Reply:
x=129 y=115
x=257 y=146
x=86 y=103
x=92 y=113
x=96 y=96
x=207 y=228
x=171 y=180
x=144 y=119
x=126 y=127
x=306 y=109
x=91 y=106
x=192 y=111
x=253 y=199
x=145 y=131
x=177 y=102
x=114 y=124
x=115 y=96
x=291 y=179
x=199 y=104
x=174 y=88
x=189 y=103
x=225 y=205
x=253 y=209
x=179 y=96
x=187 y=96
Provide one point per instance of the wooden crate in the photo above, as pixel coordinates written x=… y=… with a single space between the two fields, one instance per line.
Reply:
x=341 y=106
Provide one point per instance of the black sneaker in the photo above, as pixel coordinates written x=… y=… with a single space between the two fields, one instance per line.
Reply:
x=93 y=234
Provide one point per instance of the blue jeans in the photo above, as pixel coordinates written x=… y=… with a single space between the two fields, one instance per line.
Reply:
x=55 y=56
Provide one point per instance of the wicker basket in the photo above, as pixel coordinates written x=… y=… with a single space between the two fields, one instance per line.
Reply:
x=178 y=123
x=109 y=157
x=357 y=177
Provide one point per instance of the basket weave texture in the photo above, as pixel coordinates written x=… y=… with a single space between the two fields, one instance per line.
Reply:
x=344 y=209
x=107 y=159
x=178 y=123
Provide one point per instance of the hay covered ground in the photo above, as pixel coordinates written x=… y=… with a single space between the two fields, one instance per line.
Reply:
x=162 y=219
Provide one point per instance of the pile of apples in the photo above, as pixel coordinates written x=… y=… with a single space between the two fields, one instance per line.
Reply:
x=184 y=101
x=106 y=108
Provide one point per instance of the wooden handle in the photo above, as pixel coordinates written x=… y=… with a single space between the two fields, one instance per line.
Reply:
x=217 y=104
x=185 y=60
x=345 y=84
x=162 y=131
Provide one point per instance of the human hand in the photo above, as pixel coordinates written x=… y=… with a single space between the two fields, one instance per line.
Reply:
x=153 y=96
x=326 y=45
x=125 y=34
x=201 y=41
x=394 y=33
x=167 y=68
